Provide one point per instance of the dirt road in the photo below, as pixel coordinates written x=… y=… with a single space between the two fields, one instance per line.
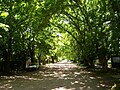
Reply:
x=59 y=76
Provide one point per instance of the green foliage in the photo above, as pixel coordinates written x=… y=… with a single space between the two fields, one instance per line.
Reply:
x=23 y=29
x=93 y=27
x=74 y=29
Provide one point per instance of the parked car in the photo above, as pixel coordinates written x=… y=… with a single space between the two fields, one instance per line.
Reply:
x=32 y=67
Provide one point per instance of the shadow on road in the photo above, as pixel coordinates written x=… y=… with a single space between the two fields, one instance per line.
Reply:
x=58 y=76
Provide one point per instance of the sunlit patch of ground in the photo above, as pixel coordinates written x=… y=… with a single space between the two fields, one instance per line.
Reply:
x=65 y=65
x=59 y=76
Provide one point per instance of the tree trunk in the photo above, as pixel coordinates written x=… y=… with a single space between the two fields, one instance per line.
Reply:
x=32 y=53
x=86 y=62
x=52 y=57
x=104 y=63
x=8 y=53
x=7 y=62
x=92 y=63
x=24 y=59
x=39 y=58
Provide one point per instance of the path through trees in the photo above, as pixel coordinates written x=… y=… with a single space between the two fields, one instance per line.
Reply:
x=59 y=76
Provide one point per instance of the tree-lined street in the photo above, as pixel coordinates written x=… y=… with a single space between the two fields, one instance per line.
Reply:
x=34 y=33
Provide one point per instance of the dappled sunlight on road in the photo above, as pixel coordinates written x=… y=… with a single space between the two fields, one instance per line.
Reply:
x=58 y=76
x=64 y=65
x=63 y=88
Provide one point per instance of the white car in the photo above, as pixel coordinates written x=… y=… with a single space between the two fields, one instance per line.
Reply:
x=32 y=67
